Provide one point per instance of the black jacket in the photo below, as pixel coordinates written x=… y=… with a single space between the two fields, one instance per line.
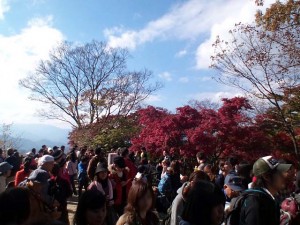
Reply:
x=260 y=209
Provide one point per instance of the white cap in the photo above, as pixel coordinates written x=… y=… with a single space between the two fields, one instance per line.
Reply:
x=46 y=158
x=30 y=154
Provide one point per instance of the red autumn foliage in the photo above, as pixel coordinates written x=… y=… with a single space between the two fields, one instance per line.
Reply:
x=222 y=132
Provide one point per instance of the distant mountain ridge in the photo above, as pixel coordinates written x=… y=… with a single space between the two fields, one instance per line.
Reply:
x=36 y=135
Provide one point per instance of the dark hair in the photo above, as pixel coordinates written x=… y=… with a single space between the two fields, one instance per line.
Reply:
x=233 y=161
x=261 y=182
x=10 y=152
x=137 y=191
x=200 y=155
x=124 y=152
x=73 y=157
x=198 y=175
x=195 y=177
x=98 y=151
x=203 y=197
x=33 y=150
x=175 y=165
x=55 y=170
x=27 y=164
x=84 y=158
x=14 y=206
x=89 y=200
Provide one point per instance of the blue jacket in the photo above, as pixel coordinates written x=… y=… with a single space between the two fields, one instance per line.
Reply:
x=82 y=171
x=165 y=185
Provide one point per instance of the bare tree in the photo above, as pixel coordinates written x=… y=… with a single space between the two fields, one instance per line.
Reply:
x=83 y=83
x=264 y=64
x=9 y=139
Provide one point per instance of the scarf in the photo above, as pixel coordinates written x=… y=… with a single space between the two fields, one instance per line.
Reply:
x=100 y=188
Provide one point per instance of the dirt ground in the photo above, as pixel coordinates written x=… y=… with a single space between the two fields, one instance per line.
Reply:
x=72 y=205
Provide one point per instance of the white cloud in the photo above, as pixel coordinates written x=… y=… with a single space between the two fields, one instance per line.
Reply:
x=181 y=53
x=166 y=76
x=152 y=99
x=215 y=96
x=19 y=54
x=4 y=7
x=184 y=79
x=189 y=21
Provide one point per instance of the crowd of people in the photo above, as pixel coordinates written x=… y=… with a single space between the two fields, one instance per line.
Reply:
x=132 y=188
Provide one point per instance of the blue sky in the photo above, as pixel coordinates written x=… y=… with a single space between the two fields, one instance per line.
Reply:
x=172 y=38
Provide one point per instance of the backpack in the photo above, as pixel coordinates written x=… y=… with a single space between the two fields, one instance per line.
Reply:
x=233 y=217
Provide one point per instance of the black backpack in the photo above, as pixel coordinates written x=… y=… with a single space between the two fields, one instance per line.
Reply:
x=233 y=217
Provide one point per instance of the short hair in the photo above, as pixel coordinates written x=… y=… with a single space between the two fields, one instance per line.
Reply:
x=200 y=155
x=124 y=152
x=98 y=151
x=233 y=161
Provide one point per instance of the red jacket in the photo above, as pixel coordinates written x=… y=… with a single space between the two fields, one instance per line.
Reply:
x=21 y=175
x=132 y=168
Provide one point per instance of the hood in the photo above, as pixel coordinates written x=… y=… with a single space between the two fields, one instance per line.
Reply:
x=180 y=190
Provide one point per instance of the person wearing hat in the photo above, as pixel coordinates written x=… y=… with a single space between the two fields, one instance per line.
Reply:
x=233 y=186
x=120 y=176
x=5 y=171
x=103 y=184
x=37 y=183
x=260 y=206
x=101 y=181
x=46 y=163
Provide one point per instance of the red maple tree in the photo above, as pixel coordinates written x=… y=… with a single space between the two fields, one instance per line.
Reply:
x=228 y=130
